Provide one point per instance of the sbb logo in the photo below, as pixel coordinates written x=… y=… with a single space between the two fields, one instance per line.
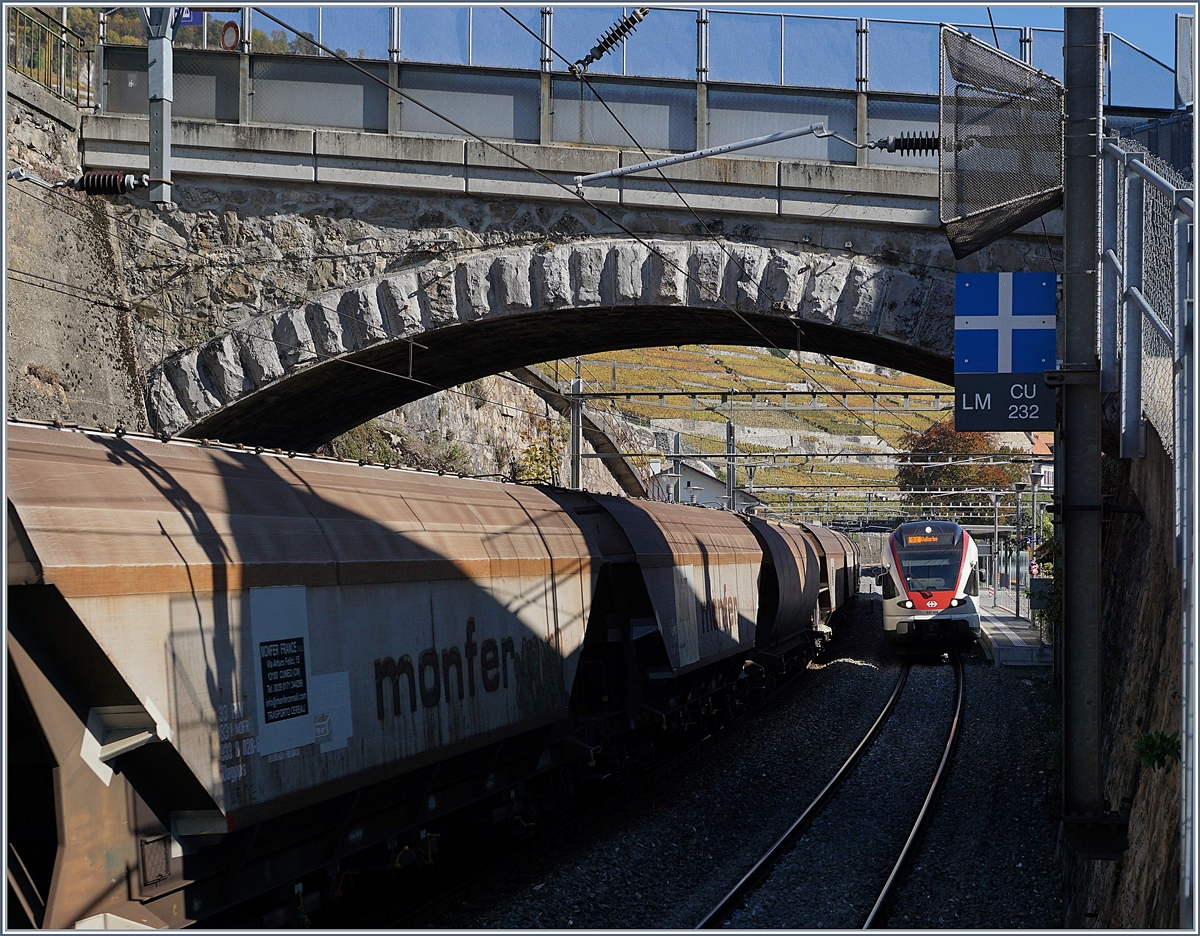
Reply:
x=931 y=603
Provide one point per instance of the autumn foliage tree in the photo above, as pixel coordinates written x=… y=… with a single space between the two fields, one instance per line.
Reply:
x=940 y=459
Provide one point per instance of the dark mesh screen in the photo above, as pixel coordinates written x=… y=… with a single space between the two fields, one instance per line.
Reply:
x=1000 y=124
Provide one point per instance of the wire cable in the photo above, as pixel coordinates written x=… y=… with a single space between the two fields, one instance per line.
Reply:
x=554 y=182
x=583 y=78
x=120 y=305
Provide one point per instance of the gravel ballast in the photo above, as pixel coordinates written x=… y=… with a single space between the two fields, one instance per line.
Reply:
x=667 y=850
x=831 y=878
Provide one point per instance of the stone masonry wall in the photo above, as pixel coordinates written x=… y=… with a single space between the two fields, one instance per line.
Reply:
x=1142 y=667
x=70 y=345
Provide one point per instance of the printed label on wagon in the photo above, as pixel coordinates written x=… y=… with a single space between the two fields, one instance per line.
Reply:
x=285 y=689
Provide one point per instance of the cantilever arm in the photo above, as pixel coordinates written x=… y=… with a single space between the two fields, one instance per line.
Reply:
x=817 y=129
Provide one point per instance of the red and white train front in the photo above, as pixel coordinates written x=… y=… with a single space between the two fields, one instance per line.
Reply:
x=930 y=580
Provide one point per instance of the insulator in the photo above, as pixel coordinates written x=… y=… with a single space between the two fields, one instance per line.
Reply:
x=623 y=28
x=107 y=182
x=914 y=144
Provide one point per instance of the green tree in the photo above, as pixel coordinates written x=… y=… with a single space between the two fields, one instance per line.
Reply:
x=941 y=459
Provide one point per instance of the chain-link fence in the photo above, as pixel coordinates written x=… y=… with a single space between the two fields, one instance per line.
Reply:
x=1145 y=247
x=1170 y=139
x=1001 y=142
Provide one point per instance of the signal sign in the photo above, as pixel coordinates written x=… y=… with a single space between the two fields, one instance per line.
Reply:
x=1004 y=334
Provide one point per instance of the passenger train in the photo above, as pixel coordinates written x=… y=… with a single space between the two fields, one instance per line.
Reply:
x=231 y=670
x=930 y=582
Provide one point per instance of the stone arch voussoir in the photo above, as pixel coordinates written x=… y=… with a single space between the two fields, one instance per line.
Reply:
x=902 y=304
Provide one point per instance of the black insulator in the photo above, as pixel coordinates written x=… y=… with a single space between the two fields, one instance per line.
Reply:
x=624 y=27
x=103 y=182
x=913 y=144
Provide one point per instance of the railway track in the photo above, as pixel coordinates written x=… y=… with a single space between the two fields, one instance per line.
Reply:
x=468 y=874
x=759 y=878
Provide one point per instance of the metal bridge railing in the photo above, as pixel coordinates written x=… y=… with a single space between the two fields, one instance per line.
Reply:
x=48 y=52
x=682 y=81
x=1147 y=353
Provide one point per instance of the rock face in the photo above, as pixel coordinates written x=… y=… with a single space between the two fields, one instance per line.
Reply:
x=499 y=426
x=71 y=348
x=1142 y=672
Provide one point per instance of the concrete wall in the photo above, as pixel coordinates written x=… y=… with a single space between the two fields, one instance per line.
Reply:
x=1142 y=666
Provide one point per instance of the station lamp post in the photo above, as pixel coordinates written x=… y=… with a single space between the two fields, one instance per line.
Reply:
x=1018 y=486
x=1036 y=473
x=995 y=496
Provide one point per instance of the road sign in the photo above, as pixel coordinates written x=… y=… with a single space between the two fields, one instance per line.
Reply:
x=191 y=17
x=1004 y=334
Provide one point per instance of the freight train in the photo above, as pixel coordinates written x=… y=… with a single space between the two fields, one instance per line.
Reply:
x=930 y=579
x=230 y=670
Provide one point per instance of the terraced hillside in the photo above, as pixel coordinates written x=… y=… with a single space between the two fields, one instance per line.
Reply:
x=820 y=423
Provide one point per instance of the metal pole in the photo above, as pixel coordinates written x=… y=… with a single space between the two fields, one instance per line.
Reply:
x=995 y=546
x=677 y=462
x=159 y=23
x=1083 y=789
x=730 y=464
x=1017 y=557
x=1111 y=277
x=576 y=428
x=817 y=128
x=547 y=27
x=1185 y=481
x=861 y=67
x=1132 y=439
x=1033 y=523
x=62 y=52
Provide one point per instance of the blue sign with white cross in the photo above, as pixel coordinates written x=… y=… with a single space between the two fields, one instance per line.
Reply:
x=1004 y=340
x=1004 y=323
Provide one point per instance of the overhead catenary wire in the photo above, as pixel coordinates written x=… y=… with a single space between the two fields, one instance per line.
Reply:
x=582 y=77
x=120 y=304
x=516 y=160
x=508 y=155
x=305 y=297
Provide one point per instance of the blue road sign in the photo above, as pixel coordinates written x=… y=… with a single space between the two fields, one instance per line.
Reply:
x=1004 y=323
x=191 y=17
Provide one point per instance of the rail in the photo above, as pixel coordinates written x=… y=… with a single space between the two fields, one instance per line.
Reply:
x=50 y=53
x=877 y=916
x=730 y=902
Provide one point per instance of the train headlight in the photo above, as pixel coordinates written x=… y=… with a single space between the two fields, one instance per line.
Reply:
x=954 y=602
x=908 y=604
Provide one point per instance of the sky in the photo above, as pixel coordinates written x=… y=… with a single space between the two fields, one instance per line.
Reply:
x=1150 y=27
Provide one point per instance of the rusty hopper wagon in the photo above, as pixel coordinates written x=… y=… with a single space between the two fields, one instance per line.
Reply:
x=230 y=669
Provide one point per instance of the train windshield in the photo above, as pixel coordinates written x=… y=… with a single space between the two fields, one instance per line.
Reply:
x=930 y=556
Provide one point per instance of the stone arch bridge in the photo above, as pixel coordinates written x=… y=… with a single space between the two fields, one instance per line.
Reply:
x=299 y=376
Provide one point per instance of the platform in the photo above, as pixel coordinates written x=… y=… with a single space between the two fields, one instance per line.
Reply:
x=1011 y=641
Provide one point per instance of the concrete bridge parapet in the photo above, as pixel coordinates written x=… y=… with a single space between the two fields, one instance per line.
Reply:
x=742 y=185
